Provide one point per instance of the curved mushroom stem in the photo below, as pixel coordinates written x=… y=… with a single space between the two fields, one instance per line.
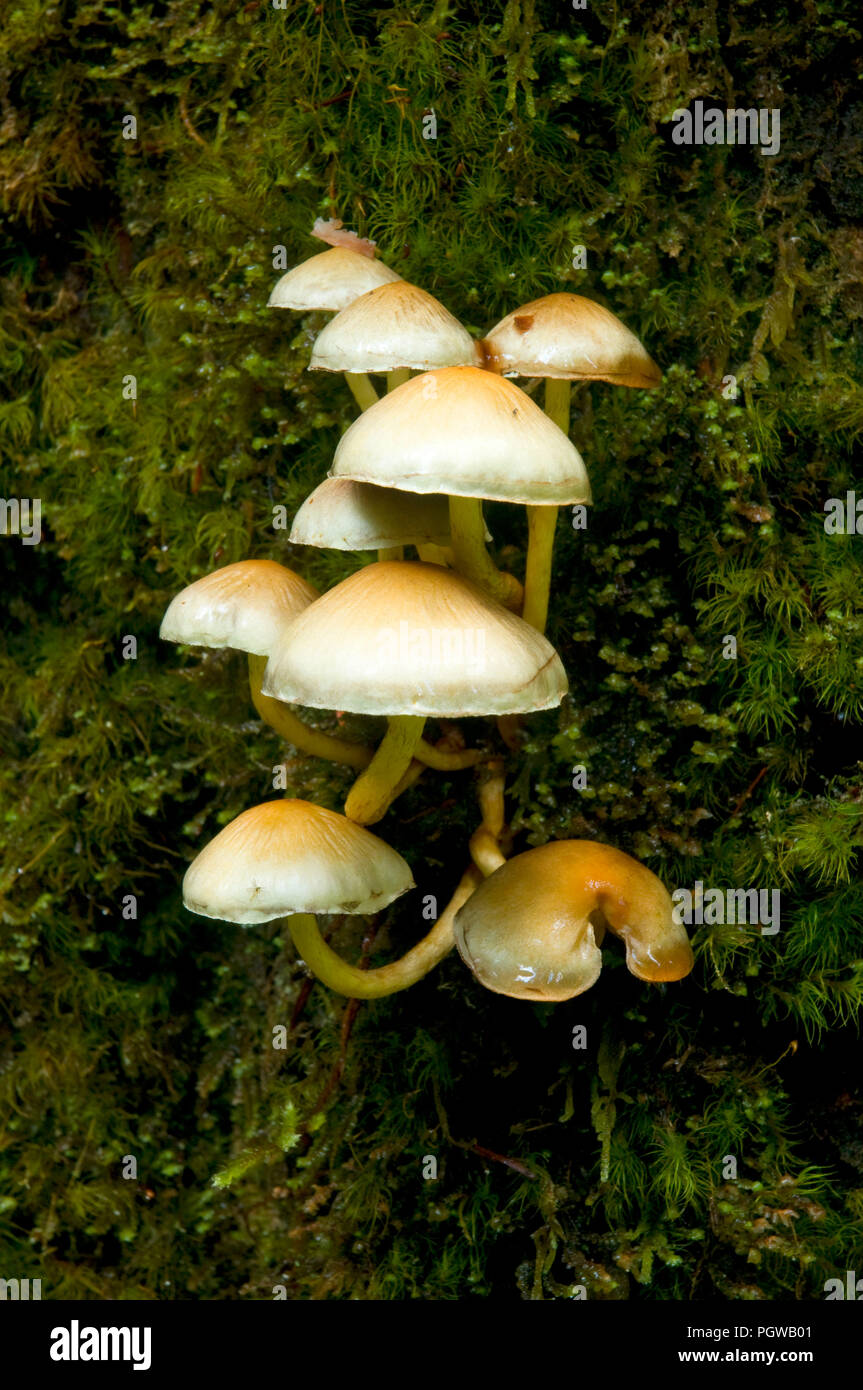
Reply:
x=346 y=979
x=281 y=717
x=397 y=378
x=467 y=530
x=485 y=850
x=542 y=521
x=362 y=390
x=374 y=790
x=444 y=761
x=392 y=552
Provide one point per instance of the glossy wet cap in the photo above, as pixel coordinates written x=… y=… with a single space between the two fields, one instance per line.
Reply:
x=291 y=856
x=533 y=929
x=405 y=637
x=243 y=606
x=569 y=337
x=465 y=432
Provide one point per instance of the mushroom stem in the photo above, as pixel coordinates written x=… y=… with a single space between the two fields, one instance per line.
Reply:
x=392 y=552
x=542 y=521
x=348 y=980
x=397 y=378
x=281 y=717
x=362 y=390
x=436 y=554
x=471 y=557
x=485 y=850
x=373 y=791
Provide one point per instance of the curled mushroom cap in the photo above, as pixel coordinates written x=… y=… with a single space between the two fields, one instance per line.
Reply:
x=568 y=336
x=532 y=930
x=396 y=325
x=466 y=432
x=401 y=637
x=286 y=857
x=243 y=606
x=343 y=515
x=331 y=280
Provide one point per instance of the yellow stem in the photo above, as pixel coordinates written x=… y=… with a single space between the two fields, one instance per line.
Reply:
x=348 y=980
x=467 y=530
x=392 y=552
x=444 y=761
x=542 y=521
x=281 y=717
x=485 y=848
x=362 y=390
x=398 y=378
x=436 y=554
x=373 y=791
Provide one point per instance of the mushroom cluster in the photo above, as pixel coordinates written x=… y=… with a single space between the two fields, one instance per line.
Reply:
x=445 y=635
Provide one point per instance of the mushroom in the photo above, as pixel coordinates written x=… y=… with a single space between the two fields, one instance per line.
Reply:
x=331 y=281
x=564 y=338
x=245 y=606
x=293 y=859
x=343 y=515
x=472 y=435
x=409 y=640
x=533 y=929
x=393 y=329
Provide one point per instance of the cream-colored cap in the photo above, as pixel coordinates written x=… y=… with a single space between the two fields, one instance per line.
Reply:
x=533 y=929
x=244 y=606
x=331 y=280
x=466 y=432
x=397 y=325
x=285 y=857
x=343 y=515
x=568 y=336
x=404 y=637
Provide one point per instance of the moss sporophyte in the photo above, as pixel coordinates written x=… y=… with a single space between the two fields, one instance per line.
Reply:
x=445 y=636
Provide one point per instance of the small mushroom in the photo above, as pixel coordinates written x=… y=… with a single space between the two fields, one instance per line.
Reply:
x=564 y=338
x=331 y=281
x=410 y=640
x=293 y=859
x=533 y=928
x=471 y=435
x=246 y=606
x=343 y=515
x=394 y=329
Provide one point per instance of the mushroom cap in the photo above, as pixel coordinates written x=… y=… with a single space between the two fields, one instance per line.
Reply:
x=343 y=515
x=395 y=325
x=406 y=637
x=331 y=280
x=244 y=606
x=568 y=336
x=466 y=432
x=285 y=857
x=532 y=930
